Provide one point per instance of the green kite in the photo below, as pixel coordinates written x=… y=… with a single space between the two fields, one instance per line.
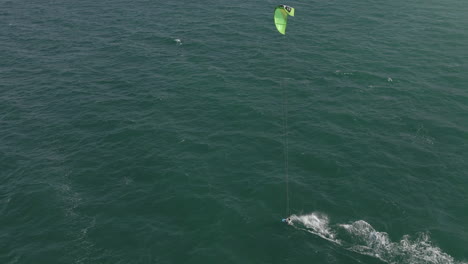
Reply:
x=281 y=17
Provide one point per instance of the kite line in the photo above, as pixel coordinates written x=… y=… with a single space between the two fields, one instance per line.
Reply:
x=286 y=143
x=281 y=20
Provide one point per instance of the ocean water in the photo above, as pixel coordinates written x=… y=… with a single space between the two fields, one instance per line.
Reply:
x=161 y=132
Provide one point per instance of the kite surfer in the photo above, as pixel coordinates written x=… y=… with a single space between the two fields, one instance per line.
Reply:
x=287 y=220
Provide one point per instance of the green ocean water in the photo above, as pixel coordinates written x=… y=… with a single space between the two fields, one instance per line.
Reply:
x=155 y=132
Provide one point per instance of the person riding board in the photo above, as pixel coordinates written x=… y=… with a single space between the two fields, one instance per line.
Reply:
x=287 y=220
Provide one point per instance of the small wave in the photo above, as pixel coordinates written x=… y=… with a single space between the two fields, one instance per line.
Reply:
x=362 y=238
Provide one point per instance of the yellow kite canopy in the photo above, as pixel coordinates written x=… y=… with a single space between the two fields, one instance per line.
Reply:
x=281 y=17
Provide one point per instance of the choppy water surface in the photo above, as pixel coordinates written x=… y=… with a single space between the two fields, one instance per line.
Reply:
x=153 y=132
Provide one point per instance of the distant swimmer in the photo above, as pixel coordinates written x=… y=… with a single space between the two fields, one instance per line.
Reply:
x=287 y=220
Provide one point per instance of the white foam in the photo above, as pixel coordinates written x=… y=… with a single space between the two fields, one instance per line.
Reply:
x=362 y=238
x=315 y=223
x=366 y=240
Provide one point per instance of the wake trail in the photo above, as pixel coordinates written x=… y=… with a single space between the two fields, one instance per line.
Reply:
x=360 y=237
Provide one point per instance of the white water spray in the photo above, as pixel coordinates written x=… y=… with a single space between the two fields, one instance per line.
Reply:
x=362 y=238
